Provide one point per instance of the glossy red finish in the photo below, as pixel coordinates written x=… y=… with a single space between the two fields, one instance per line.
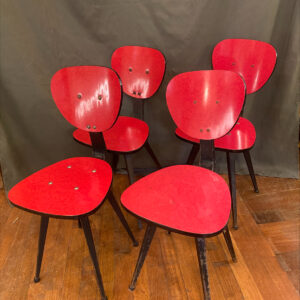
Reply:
x=71 y=187
x=89 y=97
x=253 y=60
x=205 y=104
x=242 y=136
x=187 y=198
x=127 y=134
x=141 y=70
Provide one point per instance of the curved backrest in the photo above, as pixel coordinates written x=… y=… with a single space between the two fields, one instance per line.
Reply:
x=253 y=60
x=141 y=70
x=206 y=104
x=89 y=97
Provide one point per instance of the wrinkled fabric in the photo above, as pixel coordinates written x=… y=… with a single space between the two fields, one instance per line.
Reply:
x=38 y=38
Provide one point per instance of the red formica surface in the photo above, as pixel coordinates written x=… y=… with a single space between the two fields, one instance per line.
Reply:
x=71 y=187
x=141 y=70
x=190 y=199
x=205 y=104
x=253 y=60
x=242 y=136
x=89 y=97
x=127 y=134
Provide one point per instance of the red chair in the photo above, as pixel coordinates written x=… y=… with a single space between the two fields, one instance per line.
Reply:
x=187 y=199
x=75 y=188
x=141 y=71
x=255 y=62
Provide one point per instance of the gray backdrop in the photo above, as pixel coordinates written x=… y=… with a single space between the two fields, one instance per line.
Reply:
x=40 y=37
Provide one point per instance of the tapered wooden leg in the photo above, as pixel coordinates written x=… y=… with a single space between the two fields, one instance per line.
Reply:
x=42 y=239
x=153 y=156
x=119 y=213
x=150 y=230
x=129 y=167
x=247 y=157
x=229 y=243
x=201 y=252
x=90 y=242
x=231 y=177
x=194 y=151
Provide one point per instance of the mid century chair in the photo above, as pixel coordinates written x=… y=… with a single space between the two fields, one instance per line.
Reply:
x=186 y=199
x=75 y=188
x=255 y=62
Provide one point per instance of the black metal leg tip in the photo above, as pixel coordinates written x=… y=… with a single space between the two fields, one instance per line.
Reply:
x=104 y=298
x=256 y=191
x=234 y=260
x=135 y=244
x=235 y=227
x=36 y=279
x=131 y=287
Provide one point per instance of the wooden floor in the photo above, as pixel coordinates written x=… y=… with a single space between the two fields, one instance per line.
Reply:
x=266 y=243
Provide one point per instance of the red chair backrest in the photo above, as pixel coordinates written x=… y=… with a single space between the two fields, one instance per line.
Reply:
x=206 y=104
x=141 y=70
x=253 y=60
x=89 y=97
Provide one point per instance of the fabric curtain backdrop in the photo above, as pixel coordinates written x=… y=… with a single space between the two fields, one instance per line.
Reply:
x=40 y=37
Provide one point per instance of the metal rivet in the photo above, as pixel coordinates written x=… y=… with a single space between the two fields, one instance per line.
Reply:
x=208 y=130
x=69 y=167
x=99 y=97
x=139 y=93
x=217 y=102
x=94 y=127
x=130 y=69
x=233 y=64
x=50 y=182
x=252 y=66
x=195 y=101
x=88 y=127
x=147 y=71
x=201 y=130
x=94 y=171
x=134 y=92
x=76 y=188
x=79 y=96
x=228 y=133
x=238 y=123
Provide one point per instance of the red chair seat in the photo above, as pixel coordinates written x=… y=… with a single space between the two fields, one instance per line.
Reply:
x=71 y=187
x=242 y=136
x=127 y=134
x=187 y=198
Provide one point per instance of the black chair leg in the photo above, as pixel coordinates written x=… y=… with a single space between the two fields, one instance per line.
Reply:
x=42 y=239
x=231 y=177
x=194 y=151
x=247 y=157
x=229 y=243
x=115 y=160
x=150 y=230
x=153 y=156
x=201 y=252
x=79 y=224
x=119 y=213
x=90 y=242
x=129 y=167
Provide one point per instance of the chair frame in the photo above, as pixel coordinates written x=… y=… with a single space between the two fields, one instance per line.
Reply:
x=207 y=157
